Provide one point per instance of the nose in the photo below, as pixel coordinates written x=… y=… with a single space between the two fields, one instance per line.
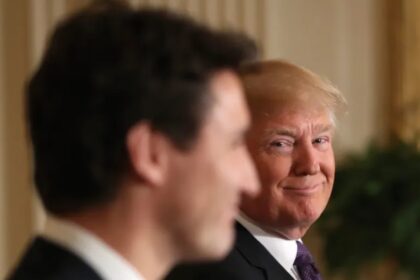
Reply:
x=249 y=182
x=306 y=160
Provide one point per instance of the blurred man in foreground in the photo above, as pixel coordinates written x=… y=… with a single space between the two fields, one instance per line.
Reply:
x=294 y=117
x=136 y=119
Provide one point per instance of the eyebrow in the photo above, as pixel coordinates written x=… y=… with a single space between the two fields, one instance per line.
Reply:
x=323 y=128
x=283 y=131
x=292 y=132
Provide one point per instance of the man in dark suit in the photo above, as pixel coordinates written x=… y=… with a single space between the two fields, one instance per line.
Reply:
x=135 y=116
x=294 y=115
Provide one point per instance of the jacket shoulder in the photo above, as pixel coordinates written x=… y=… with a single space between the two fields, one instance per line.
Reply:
x=44 y=259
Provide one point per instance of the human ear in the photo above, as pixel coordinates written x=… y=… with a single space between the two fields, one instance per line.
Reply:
x=148 y=153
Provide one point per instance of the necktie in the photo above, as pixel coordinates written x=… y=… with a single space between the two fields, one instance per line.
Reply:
x=305 y=264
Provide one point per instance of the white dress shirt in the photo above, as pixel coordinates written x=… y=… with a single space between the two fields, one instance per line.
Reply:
x=109 y=264
x=284 y=251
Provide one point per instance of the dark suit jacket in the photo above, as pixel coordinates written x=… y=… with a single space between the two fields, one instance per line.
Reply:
x=249 y=260
x=48 y=261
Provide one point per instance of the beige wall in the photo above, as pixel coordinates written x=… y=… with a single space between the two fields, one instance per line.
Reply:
x=16 y=197
x=342 y=40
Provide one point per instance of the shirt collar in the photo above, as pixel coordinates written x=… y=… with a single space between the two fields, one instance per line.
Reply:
x=109 y=264
x=284 y=251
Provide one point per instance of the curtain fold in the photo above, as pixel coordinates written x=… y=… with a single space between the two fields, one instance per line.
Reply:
x=405 y=69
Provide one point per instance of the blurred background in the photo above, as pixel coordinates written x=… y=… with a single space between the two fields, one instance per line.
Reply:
x=370 y=49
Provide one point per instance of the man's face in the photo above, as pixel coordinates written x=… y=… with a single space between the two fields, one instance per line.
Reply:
x=207 y=181
x=292 y=150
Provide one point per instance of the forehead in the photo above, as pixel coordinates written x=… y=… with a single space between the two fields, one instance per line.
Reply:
x=291 y=119
x=229 y=112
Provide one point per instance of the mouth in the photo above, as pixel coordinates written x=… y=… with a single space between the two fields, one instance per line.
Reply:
x=305 y=190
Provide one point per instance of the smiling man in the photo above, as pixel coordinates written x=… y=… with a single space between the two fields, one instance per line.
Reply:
x=137 y=118
x=294 y=118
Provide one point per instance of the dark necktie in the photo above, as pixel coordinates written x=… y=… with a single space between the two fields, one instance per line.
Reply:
x=305 y=264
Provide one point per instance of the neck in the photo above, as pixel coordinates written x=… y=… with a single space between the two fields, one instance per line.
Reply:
x=132 y=232
x=289 y=234
x=294 y=232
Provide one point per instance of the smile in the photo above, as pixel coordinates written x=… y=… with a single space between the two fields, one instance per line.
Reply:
x=303 y=190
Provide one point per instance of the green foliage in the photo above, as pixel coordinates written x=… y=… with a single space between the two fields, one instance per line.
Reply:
x=374 y=212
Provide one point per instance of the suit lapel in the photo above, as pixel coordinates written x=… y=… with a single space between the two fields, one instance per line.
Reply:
x=258 y=256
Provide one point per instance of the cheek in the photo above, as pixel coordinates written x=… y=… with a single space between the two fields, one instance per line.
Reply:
x=212 y=189
x=187 y=189
x=328 y=168
x=272 y=170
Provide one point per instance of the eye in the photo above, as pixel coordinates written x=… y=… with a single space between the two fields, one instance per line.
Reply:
x=281 y=145
x=322 y=141
x=277 y=144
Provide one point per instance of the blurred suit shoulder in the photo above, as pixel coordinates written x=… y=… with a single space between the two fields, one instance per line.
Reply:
x=48 y=261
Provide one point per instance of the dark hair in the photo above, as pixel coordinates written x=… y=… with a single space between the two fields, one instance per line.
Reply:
x=106 y=69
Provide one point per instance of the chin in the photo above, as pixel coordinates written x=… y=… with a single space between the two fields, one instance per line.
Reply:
x=217 y=253
x=310 y=211
x=294 y=232
x=294 y=227
x=212 y=248
x=221 y=247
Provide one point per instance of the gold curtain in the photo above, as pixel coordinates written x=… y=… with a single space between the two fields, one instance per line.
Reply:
x=405 y=69
x=24 y=25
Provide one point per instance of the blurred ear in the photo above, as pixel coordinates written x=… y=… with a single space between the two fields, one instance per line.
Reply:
x=148 y=153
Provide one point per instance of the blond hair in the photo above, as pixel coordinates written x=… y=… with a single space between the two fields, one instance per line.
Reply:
x=281 y=82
